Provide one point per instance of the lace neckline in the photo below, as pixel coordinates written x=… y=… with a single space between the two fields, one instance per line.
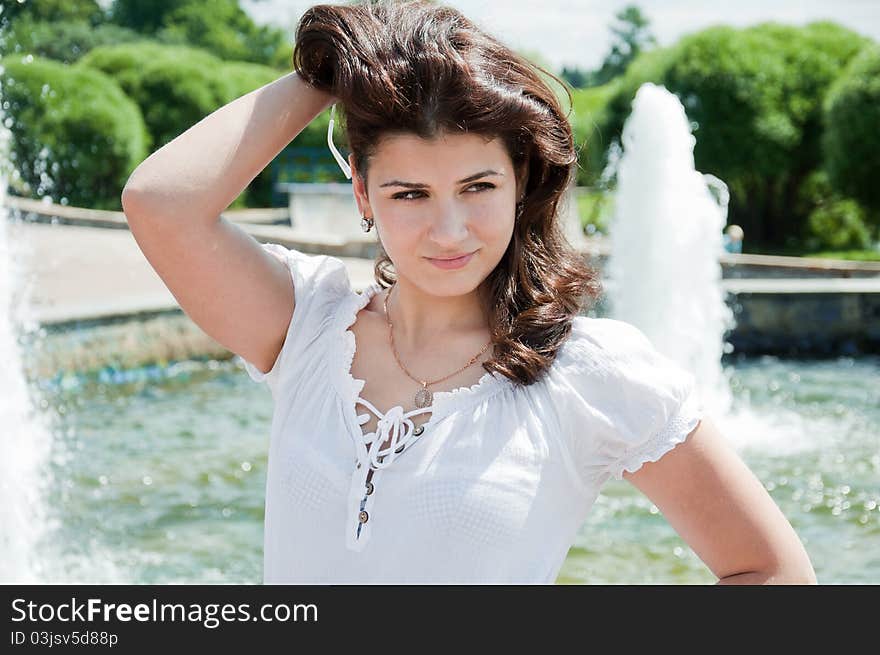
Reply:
x=444 y=402
x=395 y=425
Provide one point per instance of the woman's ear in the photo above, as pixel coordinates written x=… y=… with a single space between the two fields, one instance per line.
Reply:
x=360 y=190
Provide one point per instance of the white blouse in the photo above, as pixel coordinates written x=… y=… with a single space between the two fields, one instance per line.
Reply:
x=495 y=486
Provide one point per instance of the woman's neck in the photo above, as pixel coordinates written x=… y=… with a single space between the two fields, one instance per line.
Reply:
x=421 y=319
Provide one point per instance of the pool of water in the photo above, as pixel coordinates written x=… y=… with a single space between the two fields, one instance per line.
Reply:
x=158 y=476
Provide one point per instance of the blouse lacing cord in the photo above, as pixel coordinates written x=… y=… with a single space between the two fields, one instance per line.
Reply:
x=399 y=427
x=395 y=424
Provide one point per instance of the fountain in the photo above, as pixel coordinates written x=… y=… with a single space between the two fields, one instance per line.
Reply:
x=665 y=237
x=154 y=472
x=25 y=436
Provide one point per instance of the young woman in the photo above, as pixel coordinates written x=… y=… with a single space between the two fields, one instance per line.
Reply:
x=455 y=421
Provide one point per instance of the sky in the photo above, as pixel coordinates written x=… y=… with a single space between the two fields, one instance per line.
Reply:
x=576 y=33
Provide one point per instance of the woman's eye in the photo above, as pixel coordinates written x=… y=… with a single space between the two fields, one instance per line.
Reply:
x=402 y=195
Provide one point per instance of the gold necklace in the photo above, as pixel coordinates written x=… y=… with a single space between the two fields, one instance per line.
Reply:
x=423 y=397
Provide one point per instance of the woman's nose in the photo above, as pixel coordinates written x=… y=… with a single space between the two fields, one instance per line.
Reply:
x=450 y=226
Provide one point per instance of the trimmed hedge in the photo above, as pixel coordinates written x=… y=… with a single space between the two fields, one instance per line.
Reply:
x=72 y=126
x=177 y=86
x=174 y=86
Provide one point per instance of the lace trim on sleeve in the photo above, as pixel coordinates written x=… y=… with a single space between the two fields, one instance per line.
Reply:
x=673 y=433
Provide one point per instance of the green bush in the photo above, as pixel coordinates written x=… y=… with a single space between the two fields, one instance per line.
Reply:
x=75 y=135
x=838 y=224
x=174 y=86
x=815 y=191
x=177 y=86
x=851 y=142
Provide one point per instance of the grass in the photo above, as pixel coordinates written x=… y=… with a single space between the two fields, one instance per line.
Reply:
x=800 y=251
x=857 y=255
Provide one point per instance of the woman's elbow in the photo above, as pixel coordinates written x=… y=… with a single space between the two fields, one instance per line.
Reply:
x=772 y=576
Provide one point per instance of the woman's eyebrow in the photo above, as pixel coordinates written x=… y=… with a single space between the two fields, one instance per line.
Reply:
x=421 y=185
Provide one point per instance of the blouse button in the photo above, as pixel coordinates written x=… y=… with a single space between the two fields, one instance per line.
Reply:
x=363 y=517
x=369 y=488
x=419 y=430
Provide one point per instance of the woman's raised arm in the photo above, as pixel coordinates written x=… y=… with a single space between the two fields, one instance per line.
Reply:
x=239 y=294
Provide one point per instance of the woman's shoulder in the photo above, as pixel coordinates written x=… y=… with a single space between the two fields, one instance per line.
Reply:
x=595 y=340
x=320 y=273
x=626 y=402
x=612 y=358
x=321 y=284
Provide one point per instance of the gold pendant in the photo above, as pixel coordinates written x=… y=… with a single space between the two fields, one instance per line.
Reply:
x=423 y=397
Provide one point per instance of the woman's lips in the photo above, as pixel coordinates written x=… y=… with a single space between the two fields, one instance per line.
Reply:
x=451 y=263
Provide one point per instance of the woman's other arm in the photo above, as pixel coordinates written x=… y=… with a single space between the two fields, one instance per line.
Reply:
x=718 y=506
x=226 y=283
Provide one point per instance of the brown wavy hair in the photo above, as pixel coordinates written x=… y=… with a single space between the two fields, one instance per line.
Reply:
x=424 y=68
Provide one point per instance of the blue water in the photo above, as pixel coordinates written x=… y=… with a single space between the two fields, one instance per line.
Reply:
x=158 y=476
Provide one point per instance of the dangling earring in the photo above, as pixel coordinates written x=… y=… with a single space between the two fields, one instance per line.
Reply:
x=366 y=223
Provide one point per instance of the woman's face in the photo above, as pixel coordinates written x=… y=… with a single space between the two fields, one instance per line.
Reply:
x=437 y=199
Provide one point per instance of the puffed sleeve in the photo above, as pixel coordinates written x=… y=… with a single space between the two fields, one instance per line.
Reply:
x=627 y=403
x=318 y=282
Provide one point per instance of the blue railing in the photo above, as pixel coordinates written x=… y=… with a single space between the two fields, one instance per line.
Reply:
x=303 y=164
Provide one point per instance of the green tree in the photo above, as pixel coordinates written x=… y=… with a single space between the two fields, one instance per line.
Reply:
x=224 y=29
x=221 y=27
x=64 y=41
x=756 y=96
x=631 y=37
x=576 y=77
x=851 y=142
x=53 y=10
x=144 y=16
